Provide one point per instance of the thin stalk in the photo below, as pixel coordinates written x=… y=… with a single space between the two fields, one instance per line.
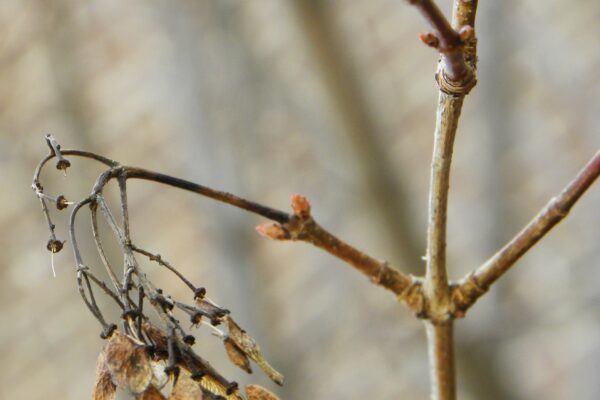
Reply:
x=439 y=334
x=436 y=277
x=477 y=283
x=440 y=337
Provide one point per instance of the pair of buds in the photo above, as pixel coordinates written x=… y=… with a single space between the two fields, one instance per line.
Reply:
x=432 y=39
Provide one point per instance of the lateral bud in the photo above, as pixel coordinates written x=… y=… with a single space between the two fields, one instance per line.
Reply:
x=300 y=206
x=430 y=39
x=466 y=33
x=273 y=230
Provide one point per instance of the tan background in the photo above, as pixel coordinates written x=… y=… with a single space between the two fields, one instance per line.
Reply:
x=335 y=100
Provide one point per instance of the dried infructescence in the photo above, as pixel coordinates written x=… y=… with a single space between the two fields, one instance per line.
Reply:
x=147 y=359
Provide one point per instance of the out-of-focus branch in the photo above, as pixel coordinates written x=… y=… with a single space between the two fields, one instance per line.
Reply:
x=385 y=188
x=474 y=285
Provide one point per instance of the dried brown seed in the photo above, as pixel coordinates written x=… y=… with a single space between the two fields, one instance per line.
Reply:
x=252 y=350
x=128 y=363
x=151 y=393
x=300 y=206
x=104 y=388
x=236 y=355
x=160 y=378
x=157 y=336
x=186 y=388
x=256 y=392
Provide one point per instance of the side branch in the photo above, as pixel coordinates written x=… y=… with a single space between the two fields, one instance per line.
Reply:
x=303 y=227
x=297 y=226
x=224 y=197
x=474 y=285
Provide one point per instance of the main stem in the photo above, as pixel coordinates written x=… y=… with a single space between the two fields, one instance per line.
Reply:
x=441 y=359
x=440 y=326
x=436 y=279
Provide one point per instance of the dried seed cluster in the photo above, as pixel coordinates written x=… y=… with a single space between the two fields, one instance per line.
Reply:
x=148 y=359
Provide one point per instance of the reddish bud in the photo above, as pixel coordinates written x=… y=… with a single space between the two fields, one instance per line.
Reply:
x=300 y=206
x=272 y=230
x=430 y=39
x=466 y=33
x=128 y=364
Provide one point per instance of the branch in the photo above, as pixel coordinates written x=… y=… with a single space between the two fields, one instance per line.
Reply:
x=301 y=226
x=162 y=305
x=100 y=248
x=440 y=339
x=447 y=116
x=387 y=191
x=475 y=284
x=455 y=78
x=224 y=197
x=198 y=292
x=436 y=279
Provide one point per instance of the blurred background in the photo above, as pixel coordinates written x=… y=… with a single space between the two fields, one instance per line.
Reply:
x=335 y=100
